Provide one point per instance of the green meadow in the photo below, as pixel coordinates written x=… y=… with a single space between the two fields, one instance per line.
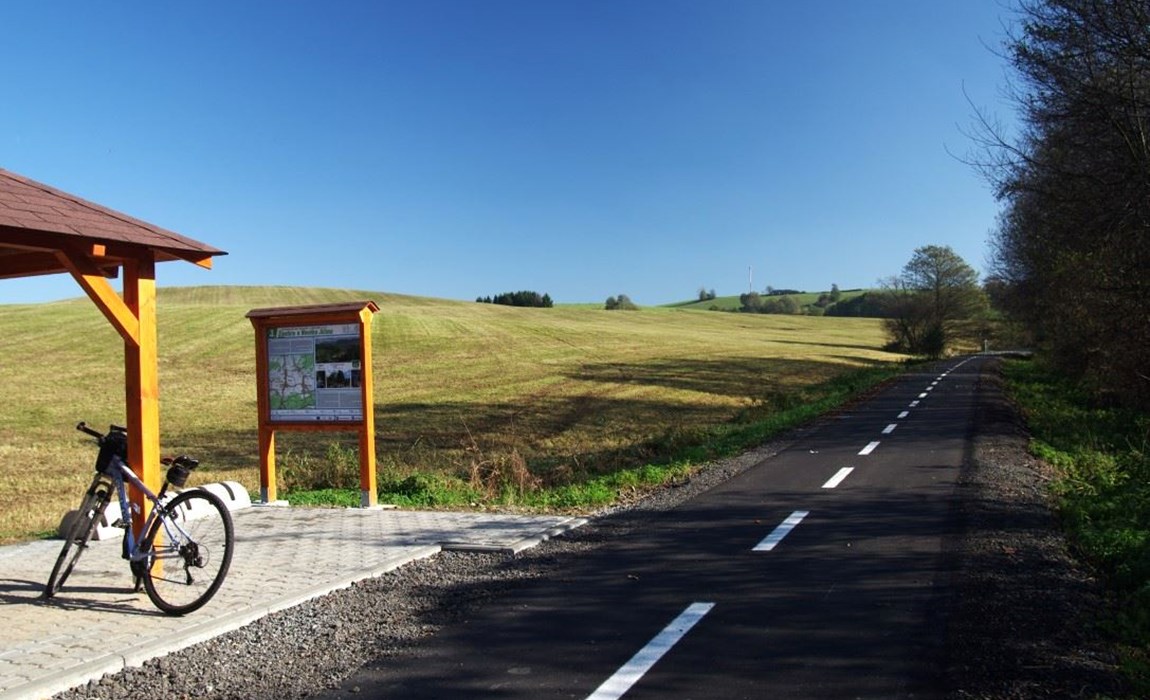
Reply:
x=491 y=399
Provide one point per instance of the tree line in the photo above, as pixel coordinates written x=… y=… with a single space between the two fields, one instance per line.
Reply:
x=522 y=298
x=783 y=301
x=1071 y=251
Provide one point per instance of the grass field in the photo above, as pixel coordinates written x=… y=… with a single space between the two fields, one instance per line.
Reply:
x=568 y=393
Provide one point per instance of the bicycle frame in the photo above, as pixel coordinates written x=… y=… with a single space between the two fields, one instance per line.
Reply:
x=121 y=474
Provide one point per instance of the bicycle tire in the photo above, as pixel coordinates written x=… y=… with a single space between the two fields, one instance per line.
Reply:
x=80 y=530
x=186 y=567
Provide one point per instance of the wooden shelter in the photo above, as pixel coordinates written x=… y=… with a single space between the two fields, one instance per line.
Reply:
x=45 y=231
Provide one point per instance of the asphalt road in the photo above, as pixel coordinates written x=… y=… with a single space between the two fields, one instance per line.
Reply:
x=821 y=572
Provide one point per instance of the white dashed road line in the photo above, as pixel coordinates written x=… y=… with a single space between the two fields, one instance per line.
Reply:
x=889 y=429
x=770 y=541
x=630 y=673
x=869 y=448
x=838 y=477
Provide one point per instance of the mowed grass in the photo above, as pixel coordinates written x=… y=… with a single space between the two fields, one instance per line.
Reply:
x=571 y=393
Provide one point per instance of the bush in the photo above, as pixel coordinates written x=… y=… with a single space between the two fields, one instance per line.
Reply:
x=751 y=303
x=338 y=469
x=868 y=305
x=781 y=305
x=622 y=302
x=754 y=303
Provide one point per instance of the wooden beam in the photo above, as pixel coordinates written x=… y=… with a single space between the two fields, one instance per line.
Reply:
x=91 y=278
x=199 y=259
x=26 y=264
x=35 y=239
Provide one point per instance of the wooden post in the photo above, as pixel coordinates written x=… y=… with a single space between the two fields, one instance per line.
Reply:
x=268 y=491
x=368 y=493
x=142 y=384
x=267 y=435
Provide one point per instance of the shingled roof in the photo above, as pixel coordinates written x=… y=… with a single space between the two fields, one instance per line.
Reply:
x=36 y=220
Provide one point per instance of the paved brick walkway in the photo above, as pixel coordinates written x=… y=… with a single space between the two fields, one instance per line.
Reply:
x=284 y=556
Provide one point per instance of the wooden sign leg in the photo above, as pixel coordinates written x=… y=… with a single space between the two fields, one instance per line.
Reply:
x=268 y=493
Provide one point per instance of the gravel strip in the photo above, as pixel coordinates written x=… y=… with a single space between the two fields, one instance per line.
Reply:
x=1022 y=624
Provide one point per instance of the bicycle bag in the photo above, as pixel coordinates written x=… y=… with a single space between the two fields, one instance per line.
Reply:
x=178 y=475
x=114 y=444
x=181 y=468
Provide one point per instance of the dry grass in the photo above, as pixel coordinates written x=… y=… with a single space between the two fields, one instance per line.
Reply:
x=560 y=392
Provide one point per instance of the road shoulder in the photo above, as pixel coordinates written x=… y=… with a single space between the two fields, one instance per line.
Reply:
x=1025 y=618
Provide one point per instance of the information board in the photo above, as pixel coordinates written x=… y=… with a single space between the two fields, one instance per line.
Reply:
x=315 y=373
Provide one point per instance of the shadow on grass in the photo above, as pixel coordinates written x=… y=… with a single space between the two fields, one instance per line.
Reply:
x=855 y=346
x=578 y=430
x=743 y=377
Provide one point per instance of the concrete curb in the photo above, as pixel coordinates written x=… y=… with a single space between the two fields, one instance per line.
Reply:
x=517 y=546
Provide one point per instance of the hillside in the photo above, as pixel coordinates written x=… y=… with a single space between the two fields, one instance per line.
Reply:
x=731 y=303
x=568 y=390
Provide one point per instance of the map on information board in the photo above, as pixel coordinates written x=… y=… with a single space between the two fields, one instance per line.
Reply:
x=315 y=373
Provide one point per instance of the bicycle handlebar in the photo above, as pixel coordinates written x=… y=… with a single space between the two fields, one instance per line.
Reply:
x=83 y=427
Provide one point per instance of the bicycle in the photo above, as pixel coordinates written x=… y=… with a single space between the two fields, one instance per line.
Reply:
x=186 y=542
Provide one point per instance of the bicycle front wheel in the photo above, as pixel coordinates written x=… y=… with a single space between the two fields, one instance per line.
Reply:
x=79 y=531
x=188 y=549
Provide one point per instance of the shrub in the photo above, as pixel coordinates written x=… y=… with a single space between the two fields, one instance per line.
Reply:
x=338 y=469
x=622 y=302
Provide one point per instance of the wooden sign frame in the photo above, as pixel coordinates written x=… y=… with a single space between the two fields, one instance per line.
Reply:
x=306 y=347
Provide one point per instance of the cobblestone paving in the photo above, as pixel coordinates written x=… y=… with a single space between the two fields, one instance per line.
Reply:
x=283 y=556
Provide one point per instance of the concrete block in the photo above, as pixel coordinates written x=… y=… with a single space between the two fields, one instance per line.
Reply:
x=104 y=531
x=232 y=493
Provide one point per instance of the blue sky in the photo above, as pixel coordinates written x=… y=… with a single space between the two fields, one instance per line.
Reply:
x=459 y=148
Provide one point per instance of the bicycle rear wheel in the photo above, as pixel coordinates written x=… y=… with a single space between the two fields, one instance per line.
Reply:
x=189 y=549
x=80 y=530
